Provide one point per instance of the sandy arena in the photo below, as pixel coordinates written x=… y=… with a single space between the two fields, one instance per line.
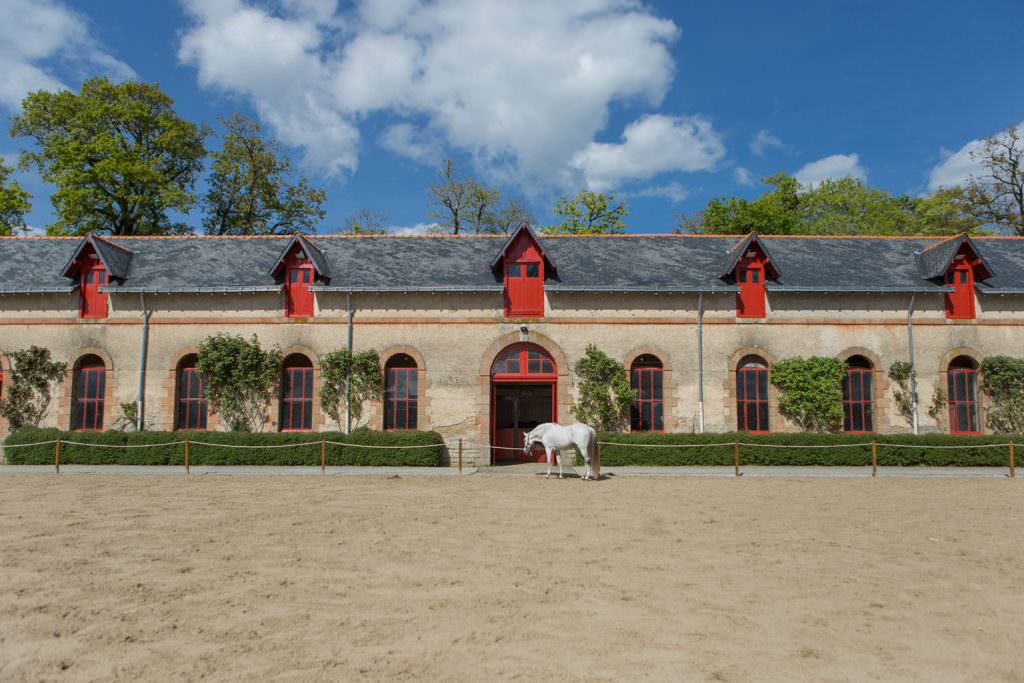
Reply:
x=510 y=577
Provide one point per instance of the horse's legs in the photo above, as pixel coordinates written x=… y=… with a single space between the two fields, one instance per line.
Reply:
x=547 y=452
x=558 y=455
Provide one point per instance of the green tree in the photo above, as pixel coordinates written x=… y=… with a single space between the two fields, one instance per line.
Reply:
x=240 y=379
x=996 y=197
x=14 y=202
x=120 y=157
x=775 y=212
x=589 y=213
x=1002 y=380
x=466 y=205
x=34 y=377
x=365 y=378
x=604 y=397
x=811 y=391
x=365 y=222
x=512 y=214
x=249 y=193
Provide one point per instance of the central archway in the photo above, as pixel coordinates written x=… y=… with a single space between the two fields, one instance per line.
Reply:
x=524 y=387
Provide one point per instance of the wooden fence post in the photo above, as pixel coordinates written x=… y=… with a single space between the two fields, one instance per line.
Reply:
x=56 y=457
x=460 y=456
x=736 y=448
x=323 y=448
x=186 y=455
x=1013 y=473
x=874 y=458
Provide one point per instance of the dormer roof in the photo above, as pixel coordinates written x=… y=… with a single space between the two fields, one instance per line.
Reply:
x=934 y=261
x=115 y=258
x=522 y=232
x=312 y=252
x=743 y=248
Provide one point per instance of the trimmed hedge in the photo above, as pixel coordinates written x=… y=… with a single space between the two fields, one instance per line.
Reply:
x=718 y=449
x=309 y=455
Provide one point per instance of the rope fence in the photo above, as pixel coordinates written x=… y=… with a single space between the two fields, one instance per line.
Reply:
x=484 y=448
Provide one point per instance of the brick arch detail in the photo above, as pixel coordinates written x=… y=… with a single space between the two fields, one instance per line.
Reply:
x=668 y=396
x=64 y=419
x=879 y=384
x=562 y=383
x=169 y=393
x=940 y=379
x=776 y=423
x=375 y=412
x=968 y=351
x=319 y=418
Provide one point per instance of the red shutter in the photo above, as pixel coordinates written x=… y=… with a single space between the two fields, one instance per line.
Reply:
x=960 y=302
x=93 y=302
x=750 y=300
x=524 y=279
x=298 y=297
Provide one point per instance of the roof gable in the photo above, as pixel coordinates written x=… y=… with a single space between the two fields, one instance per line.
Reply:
x=934 y=261
x=743 y=247
x=522 y=232
x=312 y=252
x=115 y=258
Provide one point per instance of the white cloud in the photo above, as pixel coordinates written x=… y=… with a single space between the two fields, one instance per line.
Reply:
x=651 y=145
x=743 y=176
x=834 y=167
x=520 y=87
x=39 y=38
x=956 y=168
x=417 y=229
x=674 y=192
x=763 y=141
x=412 y=143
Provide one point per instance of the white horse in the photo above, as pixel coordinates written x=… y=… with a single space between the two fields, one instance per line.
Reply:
x=556 y=437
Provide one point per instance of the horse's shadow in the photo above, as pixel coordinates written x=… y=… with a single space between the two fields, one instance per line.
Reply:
x=577 y=475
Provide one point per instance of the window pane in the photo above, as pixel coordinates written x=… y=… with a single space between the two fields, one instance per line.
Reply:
x=515 y=270
x=855 y=394
x=972 y=412
x=659 y=418
x=962 y=421
x=961 y=386
x=400 y=421
x=413 y=418
x=762 y=416
x=847 y=417
x=858 y=419
x=532 y=270
x=754 y=276
x=866 y=381
x=634 y=379
x=414 y=380
x=307 y=383
x=741 y=385
x=293 y=275
x=401 y=390
x=970 y=380
x=869 y=418
x=90 y=414
x=91 y=384
x=193 y=414
x=305 y=276
x=101 y=383
x=751 y=382
x=389 y=415
x=762 y=385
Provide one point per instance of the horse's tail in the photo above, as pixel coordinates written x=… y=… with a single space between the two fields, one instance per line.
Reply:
x=595 y=457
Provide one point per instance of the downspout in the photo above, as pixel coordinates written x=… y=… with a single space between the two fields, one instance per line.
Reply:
x=348 y=373
x=143 y=353
x=913 y=367
x=700 y=362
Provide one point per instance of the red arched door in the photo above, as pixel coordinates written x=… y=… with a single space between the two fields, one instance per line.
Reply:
x=523 y=395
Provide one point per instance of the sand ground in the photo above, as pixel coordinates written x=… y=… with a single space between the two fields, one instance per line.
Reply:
x=494 y=578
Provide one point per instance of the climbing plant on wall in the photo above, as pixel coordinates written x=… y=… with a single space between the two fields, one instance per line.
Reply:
x=902 y=375
x=366 y=382
x=34 y=376
x=811 y=391
x=1002 y=380
x=604 y=396
x=240 y=378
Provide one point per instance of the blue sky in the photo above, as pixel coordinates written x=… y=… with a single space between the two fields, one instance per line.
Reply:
x=665 y=104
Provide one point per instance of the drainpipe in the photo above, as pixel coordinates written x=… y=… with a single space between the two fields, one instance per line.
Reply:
x=913 y=367
x=700 y=362
x=140 y=415
x=348 y=374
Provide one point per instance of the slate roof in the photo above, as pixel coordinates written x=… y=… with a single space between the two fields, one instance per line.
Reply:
x=934 y=260
x=638 y=263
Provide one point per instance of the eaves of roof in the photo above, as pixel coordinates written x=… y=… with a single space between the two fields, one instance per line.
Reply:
x=192 y=290
x=38 y=290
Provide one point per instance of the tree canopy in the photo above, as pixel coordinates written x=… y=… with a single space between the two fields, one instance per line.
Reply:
x=463 y=205
x=121 y=158
x=589 y=213
x=249 y=194
x=996 y=196
x=843 y=206
x=14 y=202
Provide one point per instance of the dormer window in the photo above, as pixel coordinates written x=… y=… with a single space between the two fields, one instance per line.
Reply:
x=750 y=274
x=524 y=268
x=960 y=302
x=299 y=276
x=92 y=276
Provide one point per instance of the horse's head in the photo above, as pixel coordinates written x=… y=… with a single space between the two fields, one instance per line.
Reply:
x=526 y=442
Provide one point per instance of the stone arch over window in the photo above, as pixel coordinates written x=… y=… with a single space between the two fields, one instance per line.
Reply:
x=752 y=397
x=401 y=392
x=962 y=395
x=859 y=395
x=190 y=405
x=297 y=404
x=89 y=394
x=647 y=378
x=90 y=354
x=374 y=413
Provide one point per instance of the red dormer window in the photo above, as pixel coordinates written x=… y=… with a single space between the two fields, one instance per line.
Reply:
x=524 y=278
x=960 y=276
x=298 y=274
x=750 y=275
x=92 y=275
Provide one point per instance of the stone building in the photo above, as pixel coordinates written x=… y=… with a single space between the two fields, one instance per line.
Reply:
x=478 y=334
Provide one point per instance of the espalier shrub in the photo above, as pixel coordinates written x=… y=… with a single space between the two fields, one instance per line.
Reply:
x=308 y=454
x=604 y=396
x=33 y=378
x=366 y=383
x=1002 y=380
x=903 y=375
x=718 y=449
x=240 y=379
x=811 y=391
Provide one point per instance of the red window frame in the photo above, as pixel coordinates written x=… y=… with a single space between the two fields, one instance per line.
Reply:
x=962 y=392
x=647 y=413
x=296 y=399
x=524 y=288
x=752 y=403
x=90 y=396
x=401 y=398
x=299 y=276
x=858 y=406
x=523 y=361
x=92 y=302
x=191 y=400
x=750 y=300
x=960 y=303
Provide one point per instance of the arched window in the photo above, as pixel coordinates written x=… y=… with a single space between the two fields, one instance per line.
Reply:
x=401 y=393
x=752 y=395
x=190 y=395
x=858 y=407
x=962 y=389
x=88 y=391
x=645 y=377
x=296 y=394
